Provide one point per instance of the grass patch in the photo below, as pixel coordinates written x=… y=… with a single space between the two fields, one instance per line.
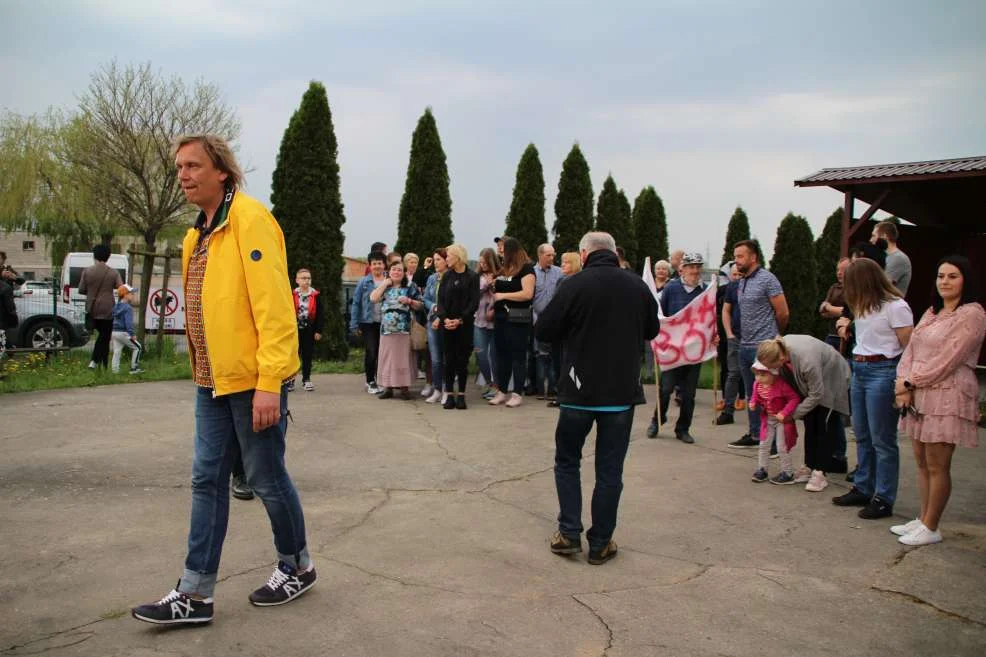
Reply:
x=705 y=376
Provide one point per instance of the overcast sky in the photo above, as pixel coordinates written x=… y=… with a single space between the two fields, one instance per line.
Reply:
x=715 y=103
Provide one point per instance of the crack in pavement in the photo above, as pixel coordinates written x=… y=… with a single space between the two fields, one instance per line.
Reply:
x=510 y=479
x=529 y=512
x=435 y=434
x=920 y=601
x=901 y=553
x=609 y=630
x=359 y=523
x=16 y=648
x=269 y=564
x=398 y=580
x=771 y=579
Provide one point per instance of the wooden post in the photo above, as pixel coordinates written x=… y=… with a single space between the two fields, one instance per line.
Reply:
x=847 y=212
x=163 y=306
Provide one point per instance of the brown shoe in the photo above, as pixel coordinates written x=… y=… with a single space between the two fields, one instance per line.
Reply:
x=597 y=557
x=740 y=405
x=721 y=404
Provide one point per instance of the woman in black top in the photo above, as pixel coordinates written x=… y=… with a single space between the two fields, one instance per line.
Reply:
x=458 y=298
x=514 y=289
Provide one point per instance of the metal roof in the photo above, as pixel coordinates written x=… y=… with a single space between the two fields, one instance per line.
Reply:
x=926 y=170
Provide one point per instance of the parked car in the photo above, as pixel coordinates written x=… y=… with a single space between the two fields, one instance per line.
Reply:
x=38 y=328
x=37 y=288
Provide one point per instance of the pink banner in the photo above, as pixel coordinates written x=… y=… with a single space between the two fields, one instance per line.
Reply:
x=686 y=338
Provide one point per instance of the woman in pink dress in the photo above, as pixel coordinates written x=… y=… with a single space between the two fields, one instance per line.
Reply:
x=937 y=392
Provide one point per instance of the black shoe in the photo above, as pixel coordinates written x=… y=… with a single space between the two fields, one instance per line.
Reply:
x=176 y=608
x=852 y=475
x=724 y=418
x=852 y=498
x=405 y=394
x=449 y=402
x=652 y=429
x=553 y=403
x=460 y=402
x=240 y=489
x=597 y=557
x=684 y=437
x=290 y=386
x=877 y=508
x=285 y=584
x=565 y=545
x=386 y=394
x=745 y=442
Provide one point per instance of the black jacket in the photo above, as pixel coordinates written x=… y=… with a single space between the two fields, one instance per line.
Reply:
x=8 y=311
x=601 y=316
x=458 y=295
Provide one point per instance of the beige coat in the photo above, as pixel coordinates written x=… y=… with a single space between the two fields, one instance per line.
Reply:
x=821 y=373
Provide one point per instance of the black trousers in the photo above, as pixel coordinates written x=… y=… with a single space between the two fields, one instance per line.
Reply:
x=458 y=348
x=685 y=379
x=306 y=349
x=101 y=350
x=825 y=441
x=371 y=349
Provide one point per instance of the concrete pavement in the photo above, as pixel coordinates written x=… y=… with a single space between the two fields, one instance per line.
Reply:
x=429 y=529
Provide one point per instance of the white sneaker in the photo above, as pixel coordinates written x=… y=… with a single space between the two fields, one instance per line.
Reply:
x=906 y=528
x=427 y=390
x=498 y=398
x=92 y=364
x=921 y=536
x=802 y=475
x=817 y=482
x=444 y=398
x=436 y=395
x=421 y=375
x=514 y=401
x=308 y=386
x=373 y=389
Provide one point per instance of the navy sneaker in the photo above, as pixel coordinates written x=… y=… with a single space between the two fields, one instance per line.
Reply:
x=285 y=584
x=760 y=476
x=176 y=608
x=783 y=479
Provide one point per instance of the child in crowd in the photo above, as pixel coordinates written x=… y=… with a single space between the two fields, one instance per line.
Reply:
x=778 y=400
x=123 y=330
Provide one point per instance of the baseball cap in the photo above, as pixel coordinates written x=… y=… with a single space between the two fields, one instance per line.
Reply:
x=124 y=290
x=692 y=259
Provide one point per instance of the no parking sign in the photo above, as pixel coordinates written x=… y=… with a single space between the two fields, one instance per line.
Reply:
x=167 y=304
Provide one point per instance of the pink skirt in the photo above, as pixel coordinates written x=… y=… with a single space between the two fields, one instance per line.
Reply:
x=950 y=429
x=394 y=364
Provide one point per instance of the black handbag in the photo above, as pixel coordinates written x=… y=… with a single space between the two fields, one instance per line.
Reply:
x=520 y=315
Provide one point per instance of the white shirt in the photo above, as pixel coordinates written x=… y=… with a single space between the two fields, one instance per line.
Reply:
x=875 y=335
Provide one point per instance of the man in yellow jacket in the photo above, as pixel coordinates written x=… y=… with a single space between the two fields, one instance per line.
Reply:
x=243 y=344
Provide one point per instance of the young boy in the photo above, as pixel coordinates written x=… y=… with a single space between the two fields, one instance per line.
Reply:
x=123 y=330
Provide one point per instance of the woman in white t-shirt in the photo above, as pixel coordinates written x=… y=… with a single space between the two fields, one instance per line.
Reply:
x=883 y=324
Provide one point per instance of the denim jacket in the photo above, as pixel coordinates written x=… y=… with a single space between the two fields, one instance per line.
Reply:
x=431 y=295
x=361 y=311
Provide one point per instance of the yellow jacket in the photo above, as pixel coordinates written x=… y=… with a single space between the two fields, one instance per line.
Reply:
x=250 y=328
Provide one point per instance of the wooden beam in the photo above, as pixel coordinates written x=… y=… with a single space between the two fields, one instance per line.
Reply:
x=847 y=212
x=870 y=211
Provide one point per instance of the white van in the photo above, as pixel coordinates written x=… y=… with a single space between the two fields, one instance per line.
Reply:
x=73 y=267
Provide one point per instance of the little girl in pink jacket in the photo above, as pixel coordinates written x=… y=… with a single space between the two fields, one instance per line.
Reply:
x=777 y=400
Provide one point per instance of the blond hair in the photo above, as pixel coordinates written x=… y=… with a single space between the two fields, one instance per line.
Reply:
x=573 y=259
x=773 y=353
x=219 y=152
x=408 y=257
x=867 y=287
x=459 y=252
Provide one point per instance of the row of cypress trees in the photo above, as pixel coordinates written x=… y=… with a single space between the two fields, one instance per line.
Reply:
x=306 y=199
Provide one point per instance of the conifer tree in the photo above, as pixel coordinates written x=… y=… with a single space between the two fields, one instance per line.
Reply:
x=612 y=217
x=828 y=247
x=794 y=265
x=525 y=221
x=425 y=216
x=738 y=230
x=308 y=206
x=573 y=206
x=629 y=240
x=650 y=227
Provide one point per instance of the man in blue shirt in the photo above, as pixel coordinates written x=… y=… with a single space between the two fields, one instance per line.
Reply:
x=547 y=355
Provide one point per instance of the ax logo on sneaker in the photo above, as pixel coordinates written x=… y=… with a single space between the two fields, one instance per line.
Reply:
x=181 y=608
x=174 y=608
x=285 y=584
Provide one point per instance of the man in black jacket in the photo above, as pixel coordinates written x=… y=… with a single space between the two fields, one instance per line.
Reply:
x=601 y=317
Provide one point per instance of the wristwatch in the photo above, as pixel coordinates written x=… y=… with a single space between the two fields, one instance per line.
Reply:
x=908 y=385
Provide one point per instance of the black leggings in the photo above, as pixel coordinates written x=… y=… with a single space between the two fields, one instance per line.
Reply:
x=101 y=350
x=306 y=349
x=458 y=348
x=371 y=349
x=511 y=340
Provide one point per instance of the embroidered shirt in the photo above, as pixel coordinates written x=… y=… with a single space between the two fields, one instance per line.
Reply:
x=194 y=320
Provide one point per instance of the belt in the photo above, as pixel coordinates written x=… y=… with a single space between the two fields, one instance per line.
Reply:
x=869 y=359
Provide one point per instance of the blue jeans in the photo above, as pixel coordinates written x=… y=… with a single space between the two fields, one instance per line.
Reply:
x=874 y=421
x=221 y=422
x=612 y=442
x=748 y=356
x=436 y=348
x=482 y=339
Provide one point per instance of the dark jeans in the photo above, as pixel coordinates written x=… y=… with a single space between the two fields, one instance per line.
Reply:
x=685 y=379
x=825 y=441
x=748 y=356
x=612 y=442
x=101 y=350
x=458 y=348
x=220 y=422
x=511 y=340
x=548 y=367
x=306 y=349
x=371 y=349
